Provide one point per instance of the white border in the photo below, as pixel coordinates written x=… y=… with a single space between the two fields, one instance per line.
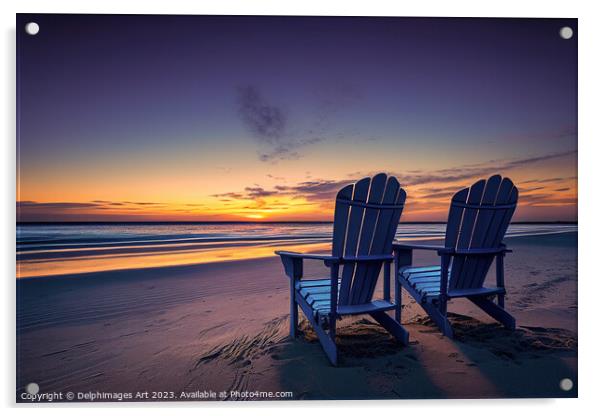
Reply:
x=590 y=135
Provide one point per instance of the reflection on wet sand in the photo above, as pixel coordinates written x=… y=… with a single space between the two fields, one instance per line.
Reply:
x=87 y=263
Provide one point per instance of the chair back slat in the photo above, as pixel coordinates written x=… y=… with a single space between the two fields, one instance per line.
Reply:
x=481 y=229
x=351 y=234
x=508 y=195
x=373 y=209
x=469 y=216
x=484 y=211
x=377 y=189
x=380 y=241
x=455 y=218
x=341 y=215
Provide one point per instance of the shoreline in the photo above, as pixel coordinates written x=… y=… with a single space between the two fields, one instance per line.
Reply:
x=245 y=222
x=61 y=266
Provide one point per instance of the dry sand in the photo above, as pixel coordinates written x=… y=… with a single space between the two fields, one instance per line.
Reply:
x=223 y=327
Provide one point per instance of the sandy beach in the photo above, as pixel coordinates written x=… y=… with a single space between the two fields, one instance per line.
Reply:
x=223 y=326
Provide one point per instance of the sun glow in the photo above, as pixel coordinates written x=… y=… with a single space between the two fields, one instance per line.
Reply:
x=546 y=194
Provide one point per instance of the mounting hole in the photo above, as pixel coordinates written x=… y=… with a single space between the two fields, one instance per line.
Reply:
x=566 y=32
x=32 y=28
x=566 y=384
x=32 y=388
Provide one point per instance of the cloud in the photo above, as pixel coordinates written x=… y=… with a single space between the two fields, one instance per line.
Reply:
x=528 y=161
x=281 y=139
x=143 y=203
x=440 y=189
x=546 y=180
x=319 y=190
x=56 y=205
x=429 y=188
x=97 y=204
x=281 y=152
x=251 y=193
x=266 y=121
x=327 y=189
x=568 y=131
x=258 y=192
x=233 y=195
x=524 y=190
x=463 y=172
x=435 y=195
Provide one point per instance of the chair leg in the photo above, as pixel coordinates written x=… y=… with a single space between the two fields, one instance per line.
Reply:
x=392 y=326
x=398 y=300
x=326 y=339
x=440 y=319
x=495 y=311
x=331 y=347
x=294 y=312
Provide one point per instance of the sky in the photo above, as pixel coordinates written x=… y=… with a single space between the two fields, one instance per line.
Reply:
x=234 y=118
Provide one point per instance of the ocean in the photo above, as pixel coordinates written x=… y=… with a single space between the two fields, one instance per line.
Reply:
x=56 y=249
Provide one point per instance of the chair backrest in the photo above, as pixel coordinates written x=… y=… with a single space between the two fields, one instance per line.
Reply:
x=478 y=218
x=365 y=221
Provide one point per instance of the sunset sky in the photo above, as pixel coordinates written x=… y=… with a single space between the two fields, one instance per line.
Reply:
x=196 y=118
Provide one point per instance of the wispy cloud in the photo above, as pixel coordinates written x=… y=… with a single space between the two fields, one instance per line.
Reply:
x=267 y=123
x=258 y=192
x=546 y=180
x=481 y=169
x=58 y=207
x=279 y=138
x=277 y=178
x=568 y=131
x=232 y=195
x=143 y=203
x=265 y=120
x=430 y=189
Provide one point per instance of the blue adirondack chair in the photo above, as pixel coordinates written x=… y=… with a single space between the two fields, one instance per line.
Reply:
x=478 y=219
x=365 y=220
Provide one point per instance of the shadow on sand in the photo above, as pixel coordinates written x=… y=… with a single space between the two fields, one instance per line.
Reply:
x=527 y=362
x=484 y=360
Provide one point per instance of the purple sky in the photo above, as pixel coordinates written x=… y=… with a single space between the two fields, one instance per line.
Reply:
x=175 y=110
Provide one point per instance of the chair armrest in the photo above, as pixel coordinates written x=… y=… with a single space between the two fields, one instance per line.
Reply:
x=293 y=262
x=309 y=256
x=451 y=251
x=440 y=250
x=331 y=259
x=367 y=258
x=481 y=251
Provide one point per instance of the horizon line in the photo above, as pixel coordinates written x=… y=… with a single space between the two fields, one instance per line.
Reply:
x=249 y=222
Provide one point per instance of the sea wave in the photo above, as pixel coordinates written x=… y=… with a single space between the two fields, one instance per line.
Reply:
x=65 y=237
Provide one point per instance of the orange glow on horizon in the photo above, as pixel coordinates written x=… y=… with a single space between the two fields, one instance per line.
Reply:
x=548 y=192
